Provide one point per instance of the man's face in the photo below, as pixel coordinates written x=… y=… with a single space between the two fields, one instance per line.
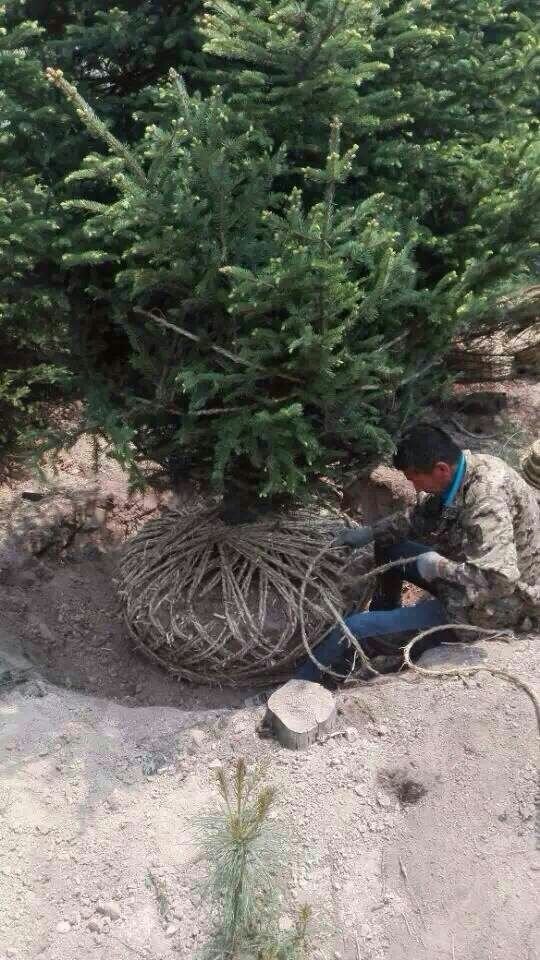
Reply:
x=434 y=482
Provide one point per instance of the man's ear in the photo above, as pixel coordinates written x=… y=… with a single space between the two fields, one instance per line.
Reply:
x=444 y=469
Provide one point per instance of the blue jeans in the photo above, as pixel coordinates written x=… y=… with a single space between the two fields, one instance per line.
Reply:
x=396 y=625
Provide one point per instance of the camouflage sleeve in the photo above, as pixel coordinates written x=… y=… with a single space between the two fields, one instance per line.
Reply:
x=490 y=571
x=489 y=544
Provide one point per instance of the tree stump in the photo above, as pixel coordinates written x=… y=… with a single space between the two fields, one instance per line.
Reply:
x=299 y=712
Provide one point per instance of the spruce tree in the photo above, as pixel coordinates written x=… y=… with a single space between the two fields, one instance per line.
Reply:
x=33 y=304
x=380 y=201
x=48 y=317
x=442 y=101
x=282 y=304
x=216 y=212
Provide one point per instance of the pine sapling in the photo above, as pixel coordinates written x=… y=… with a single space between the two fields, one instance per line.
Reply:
x=243 y=851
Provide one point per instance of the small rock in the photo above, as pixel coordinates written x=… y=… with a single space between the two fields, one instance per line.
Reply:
x=215 y=765
x=254 y=701
x=96 y=925
x=452 y=655
x=198 y=736
x=171 y=930
x=351 y=734
x=109 y=909
x=285 y=924
x=11 y=952
x=383 y=800
x=33 y=690
x=63 y=926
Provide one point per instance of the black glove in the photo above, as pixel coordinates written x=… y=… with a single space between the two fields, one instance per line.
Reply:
x=355 y=537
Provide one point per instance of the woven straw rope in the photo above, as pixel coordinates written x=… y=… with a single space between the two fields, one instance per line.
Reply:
x=184 y=563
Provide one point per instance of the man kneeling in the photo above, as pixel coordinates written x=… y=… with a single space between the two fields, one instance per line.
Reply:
x=475 y=544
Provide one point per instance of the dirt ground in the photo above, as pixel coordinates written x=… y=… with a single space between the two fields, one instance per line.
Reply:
x=105 y=761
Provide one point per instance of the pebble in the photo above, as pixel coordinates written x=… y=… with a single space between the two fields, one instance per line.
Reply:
x=109 y=909
x=171 y=930
x=254 y=701
x=96 y=925
x=198 y=736
x=63 y=926
x=215 y=765
x=351 y=734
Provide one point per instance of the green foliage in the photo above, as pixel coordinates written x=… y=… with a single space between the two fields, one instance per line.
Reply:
x=441 y=99
x=305 y=293
x=45 y=312
x=244 y=856
x=33 y=305
x=295 y=62
x=257 y=283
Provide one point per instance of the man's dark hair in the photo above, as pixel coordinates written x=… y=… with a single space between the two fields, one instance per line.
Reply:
x=423 y=446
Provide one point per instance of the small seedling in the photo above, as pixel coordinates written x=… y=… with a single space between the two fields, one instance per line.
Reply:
x=244 y=851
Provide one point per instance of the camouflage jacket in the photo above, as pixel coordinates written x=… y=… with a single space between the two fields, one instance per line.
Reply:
x=491 y=533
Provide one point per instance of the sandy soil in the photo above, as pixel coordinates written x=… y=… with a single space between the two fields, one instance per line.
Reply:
x=412 y=832
x=97 y=807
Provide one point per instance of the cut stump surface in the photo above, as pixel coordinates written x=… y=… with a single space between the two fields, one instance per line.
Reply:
x=300 y=712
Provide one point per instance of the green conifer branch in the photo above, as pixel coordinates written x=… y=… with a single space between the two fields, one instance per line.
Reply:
x=96 y=126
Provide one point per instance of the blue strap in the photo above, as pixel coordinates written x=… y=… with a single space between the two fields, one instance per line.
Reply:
x=449 y=494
